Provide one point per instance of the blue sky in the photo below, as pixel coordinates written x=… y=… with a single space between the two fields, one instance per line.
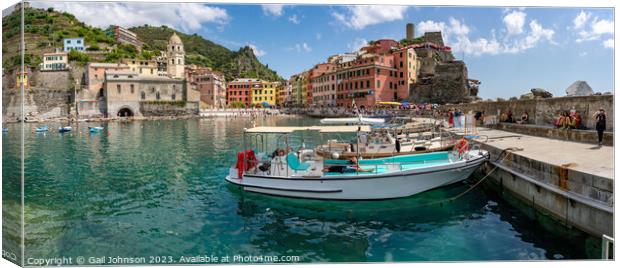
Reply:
x=509 y=49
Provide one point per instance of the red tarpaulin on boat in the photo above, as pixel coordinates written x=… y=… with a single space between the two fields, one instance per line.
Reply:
x=249 y=158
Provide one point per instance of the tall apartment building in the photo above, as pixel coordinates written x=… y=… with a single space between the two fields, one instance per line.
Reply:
x=123 y=36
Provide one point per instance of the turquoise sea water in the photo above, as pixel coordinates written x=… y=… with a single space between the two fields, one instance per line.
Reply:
x=156 y=188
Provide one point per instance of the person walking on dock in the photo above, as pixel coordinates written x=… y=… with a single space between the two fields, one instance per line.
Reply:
x=600 y=119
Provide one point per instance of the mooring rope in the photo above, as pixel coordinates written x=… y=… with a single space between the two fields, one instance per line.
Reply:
x=450 y=199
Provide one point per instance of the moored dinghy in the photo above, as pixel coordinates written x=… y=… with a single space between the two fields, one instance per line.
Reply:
x=42 y=129
x=304 y=174
x=64 y=129
x=95 y=129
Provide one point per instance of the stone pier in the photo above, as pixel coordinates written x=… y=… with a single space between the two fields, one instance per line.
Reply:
x=570 y=181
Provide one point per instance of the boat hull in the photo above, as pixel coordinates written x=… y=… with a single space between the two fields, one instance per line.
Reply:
x=349 y=155
x=366 y=187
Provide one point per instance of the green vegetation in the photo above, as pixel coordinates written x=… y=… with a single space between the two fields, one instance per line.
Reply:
x=46 y=28
x=237 y=104
x=415 y=41
x=120 y=52
x=80 y=57
x=202 y=52
x=179 y=103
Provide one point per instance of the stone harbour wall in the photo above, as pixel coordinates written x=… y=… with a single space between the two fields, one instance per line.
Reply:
x=48 y=96
x=169 y=109
x=544 y=112
x=578 y=199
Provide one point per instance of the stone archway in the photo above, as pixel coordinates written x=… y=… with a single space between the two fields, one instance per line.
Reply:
x=125 y=112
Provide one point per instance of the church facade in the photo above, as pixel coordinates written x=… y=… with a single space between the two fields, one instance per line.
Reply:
x=122 y=91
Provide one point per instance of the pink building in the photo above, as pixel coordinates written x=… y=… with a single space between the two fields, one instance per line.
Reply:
x=317 y=71
x=367 y=80
x=211 y=84
x=324 y=90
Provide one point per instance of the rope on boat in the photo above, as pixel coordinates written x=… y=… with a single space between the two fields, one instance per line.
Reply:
x=450 y=199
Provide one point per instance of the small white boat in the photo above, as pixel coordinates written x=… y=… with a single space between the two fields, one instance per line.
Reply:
x=304 y=174
x=352 y=121
x=95 y=129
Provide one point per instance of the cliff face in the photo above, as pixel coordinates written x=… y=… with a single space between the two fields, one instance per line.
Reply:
x=447 y=85
x=441 y=79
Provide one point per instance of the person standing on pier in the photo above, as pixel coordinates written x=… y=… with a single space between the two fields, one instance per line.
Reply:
x=600 y=119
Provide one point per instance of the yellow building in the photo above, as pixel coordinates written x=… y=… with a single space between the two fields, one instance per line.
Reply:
x=265 y=92
x=142 y=67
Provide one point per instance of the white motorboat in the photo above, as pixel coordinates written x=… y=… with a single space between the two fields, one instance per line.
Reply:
x=352 y=121
x=305 y=174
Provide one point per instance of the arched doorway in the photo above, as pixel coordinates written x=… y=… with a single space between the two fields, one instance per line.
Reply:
x=124 y=112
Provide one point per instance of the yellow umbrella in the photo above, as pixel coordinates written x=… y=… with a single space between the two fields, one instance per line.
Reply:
x=390 y=103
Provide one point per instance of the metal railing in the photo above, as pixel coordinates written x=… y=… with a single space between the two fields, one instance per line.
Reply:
x=606 y=241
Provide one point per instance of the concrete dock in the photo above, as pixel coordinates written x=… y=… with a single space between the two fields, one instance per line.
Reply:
x=582 y=157
x=570 y=181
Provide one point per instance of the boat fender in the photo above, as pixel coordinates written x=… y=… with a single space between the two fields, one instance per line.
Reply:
x=462 y=146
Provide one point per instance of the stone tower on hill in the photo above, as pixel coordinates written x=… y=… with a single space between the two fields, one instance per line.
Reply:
x=176 y=57
x=441 y=78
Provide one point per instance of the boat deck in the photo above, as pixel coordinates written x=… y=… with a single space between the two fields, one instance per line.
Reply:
x=391 y=164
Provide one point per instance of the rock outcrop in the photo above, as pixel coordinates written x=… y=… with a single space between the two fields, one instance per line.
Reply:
x=579 y=88
x=441 y=79
x=541 y=93
x=449 y=84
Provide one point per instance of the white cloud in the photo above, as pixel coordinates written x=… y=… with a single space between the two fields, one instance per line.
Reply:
x=303 y=47
x=258 y=52
x=294 y=19
x=432 y=26
x=581 y=20
x=457 y=28
x=592 y=29
x=181 y=16
x=318 y=36
x=456 y=34
x=609 y=43
x=357 y=44
x=514 y=22
x=273 y=10
x=358 y=17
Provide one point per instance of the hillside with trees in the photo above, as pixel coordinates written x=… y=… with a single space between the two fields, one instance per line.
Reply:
x=45 y=30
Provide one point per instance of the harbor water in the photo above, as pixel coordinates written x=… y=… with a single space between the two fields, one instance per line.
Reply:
x=156 y=188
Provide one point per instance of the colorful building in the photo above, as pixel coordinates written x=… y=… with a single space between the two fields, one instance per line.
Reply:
x=55 y=61
x=73 y=44
x=316 y=71
x=284 y=94
x=382 y=71
x=239 y=91
x=141 y=67
x=265 y=94
x=298 y=89
x=211 y=84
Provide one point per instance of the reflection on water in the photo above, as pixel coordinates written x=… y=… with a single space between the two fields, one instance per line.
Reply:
x=156 y=188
